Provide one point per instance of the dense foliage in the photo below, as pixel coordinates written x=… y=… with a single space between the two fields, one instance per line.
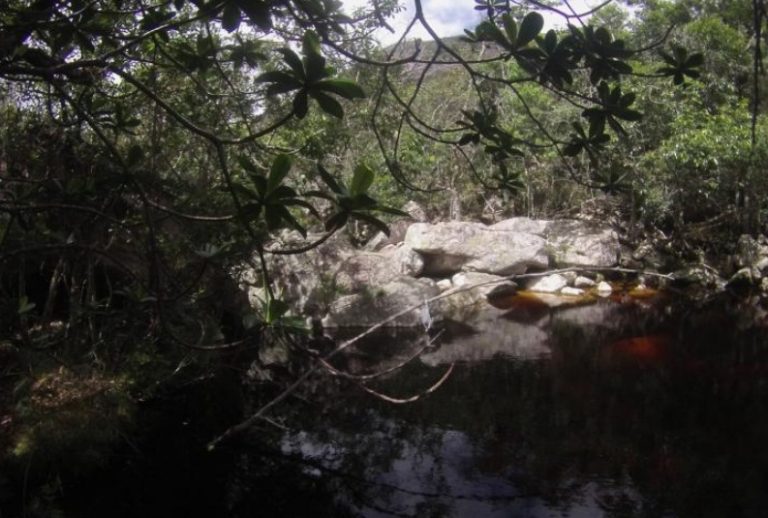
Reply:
x=148 y=148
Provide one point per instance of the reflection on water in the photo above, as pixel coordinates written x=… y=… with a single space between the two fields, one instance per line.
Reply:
x=620 y=408
x=625 y=407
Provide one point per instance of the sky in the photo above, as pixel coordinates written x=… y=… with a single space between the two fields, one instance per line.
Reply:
x=447 y=17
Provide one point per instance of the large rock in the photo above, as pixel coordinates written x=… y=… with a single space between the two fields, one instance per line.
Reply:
x=752 y=254
x=453 y=246
x=398 y=227
x=378 y=303
x=408 y=261
x=579 y=243
x=512 y=246
x=363 y=270
x=549 y=284
x=536 y=227
x=305 y=280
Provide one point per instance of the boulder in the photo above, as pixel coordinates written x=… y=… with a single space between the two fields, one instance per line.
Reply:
x=485 y=282
x=365 y=269
x=398 y=227
x=537 y=227
x=579 y=243
x=453 y=246
x=748 y=251
x=745 y=277
x=303 y=280
x=604 y=289
x=408 y=261
x=377 y=303
x=549 y=284
x=584 y=282
x=415 y=211
x=698 y=275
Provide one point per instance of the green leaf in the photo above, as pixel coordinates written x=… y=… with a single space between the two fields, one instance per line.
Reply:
x=294 y=62
x=230 y=18
x=695 y=60
x=358 y=202
x=336 y=221
x=288 y=217
x=246 y=164
x=342 y=87
x=25 y=306
x=394 y=211
x=274 y=310
x=310 y=44
x=328 y=104
x=280 y=168
x=510 y=27
x=258 y=12
x=301 y=104
x=329 y=180
x=274 y=217
x=530 y=27
x=260 y=183
x=283 y=192
x=279 y=77
x=281 y=88
x=315 y=66
x=362 y=180
x=313 y=57
x=301 y=203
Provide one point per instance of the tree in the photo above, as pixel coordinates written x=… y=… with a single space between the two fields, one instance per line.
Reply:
x=151 y=146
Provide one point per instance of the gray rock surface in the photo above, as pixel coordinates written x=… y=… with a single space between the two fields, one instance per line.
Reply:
x=549 y=284
x=381 y=302
x=578 y=243
x=453 y=246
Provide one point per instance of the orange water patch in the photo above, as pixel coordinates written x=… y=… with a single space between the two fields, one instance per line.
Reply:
x=642 y=293
x=650 y=348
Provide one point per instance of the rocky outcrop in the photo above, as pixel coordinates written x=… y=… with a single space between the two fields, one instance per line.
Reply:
x=378 y=303
x=577 y=243
x=362 y=287
x=549 y=284
x=512 y=246
x=450 y=247
x=751 y=262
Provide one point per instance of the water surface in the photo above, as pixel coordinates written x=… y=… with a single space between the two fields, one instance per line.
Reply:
x=630 y=406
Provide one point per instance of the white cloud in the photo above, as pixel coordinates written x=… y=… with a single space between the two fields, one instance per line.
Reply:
x=446 y=17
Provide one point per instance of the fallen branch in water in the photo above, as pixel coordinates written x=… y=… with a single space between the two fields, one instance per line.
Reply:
x=412 y=398
x=365 y=377
x=247 y=423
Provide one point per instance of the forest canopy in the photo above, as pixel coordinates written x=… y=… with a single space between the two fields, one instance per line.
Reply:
x=147 y=148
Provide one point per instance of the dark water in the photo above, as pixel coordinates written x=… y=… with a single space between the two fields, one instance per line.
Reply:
x=628 y=407
x=624 y=408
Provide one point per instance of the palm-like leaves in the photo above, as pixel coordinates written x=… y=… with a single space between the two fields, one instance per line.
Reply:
x=681 y=65
x=353 y=201
x=312 y=78
x=272 y=197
